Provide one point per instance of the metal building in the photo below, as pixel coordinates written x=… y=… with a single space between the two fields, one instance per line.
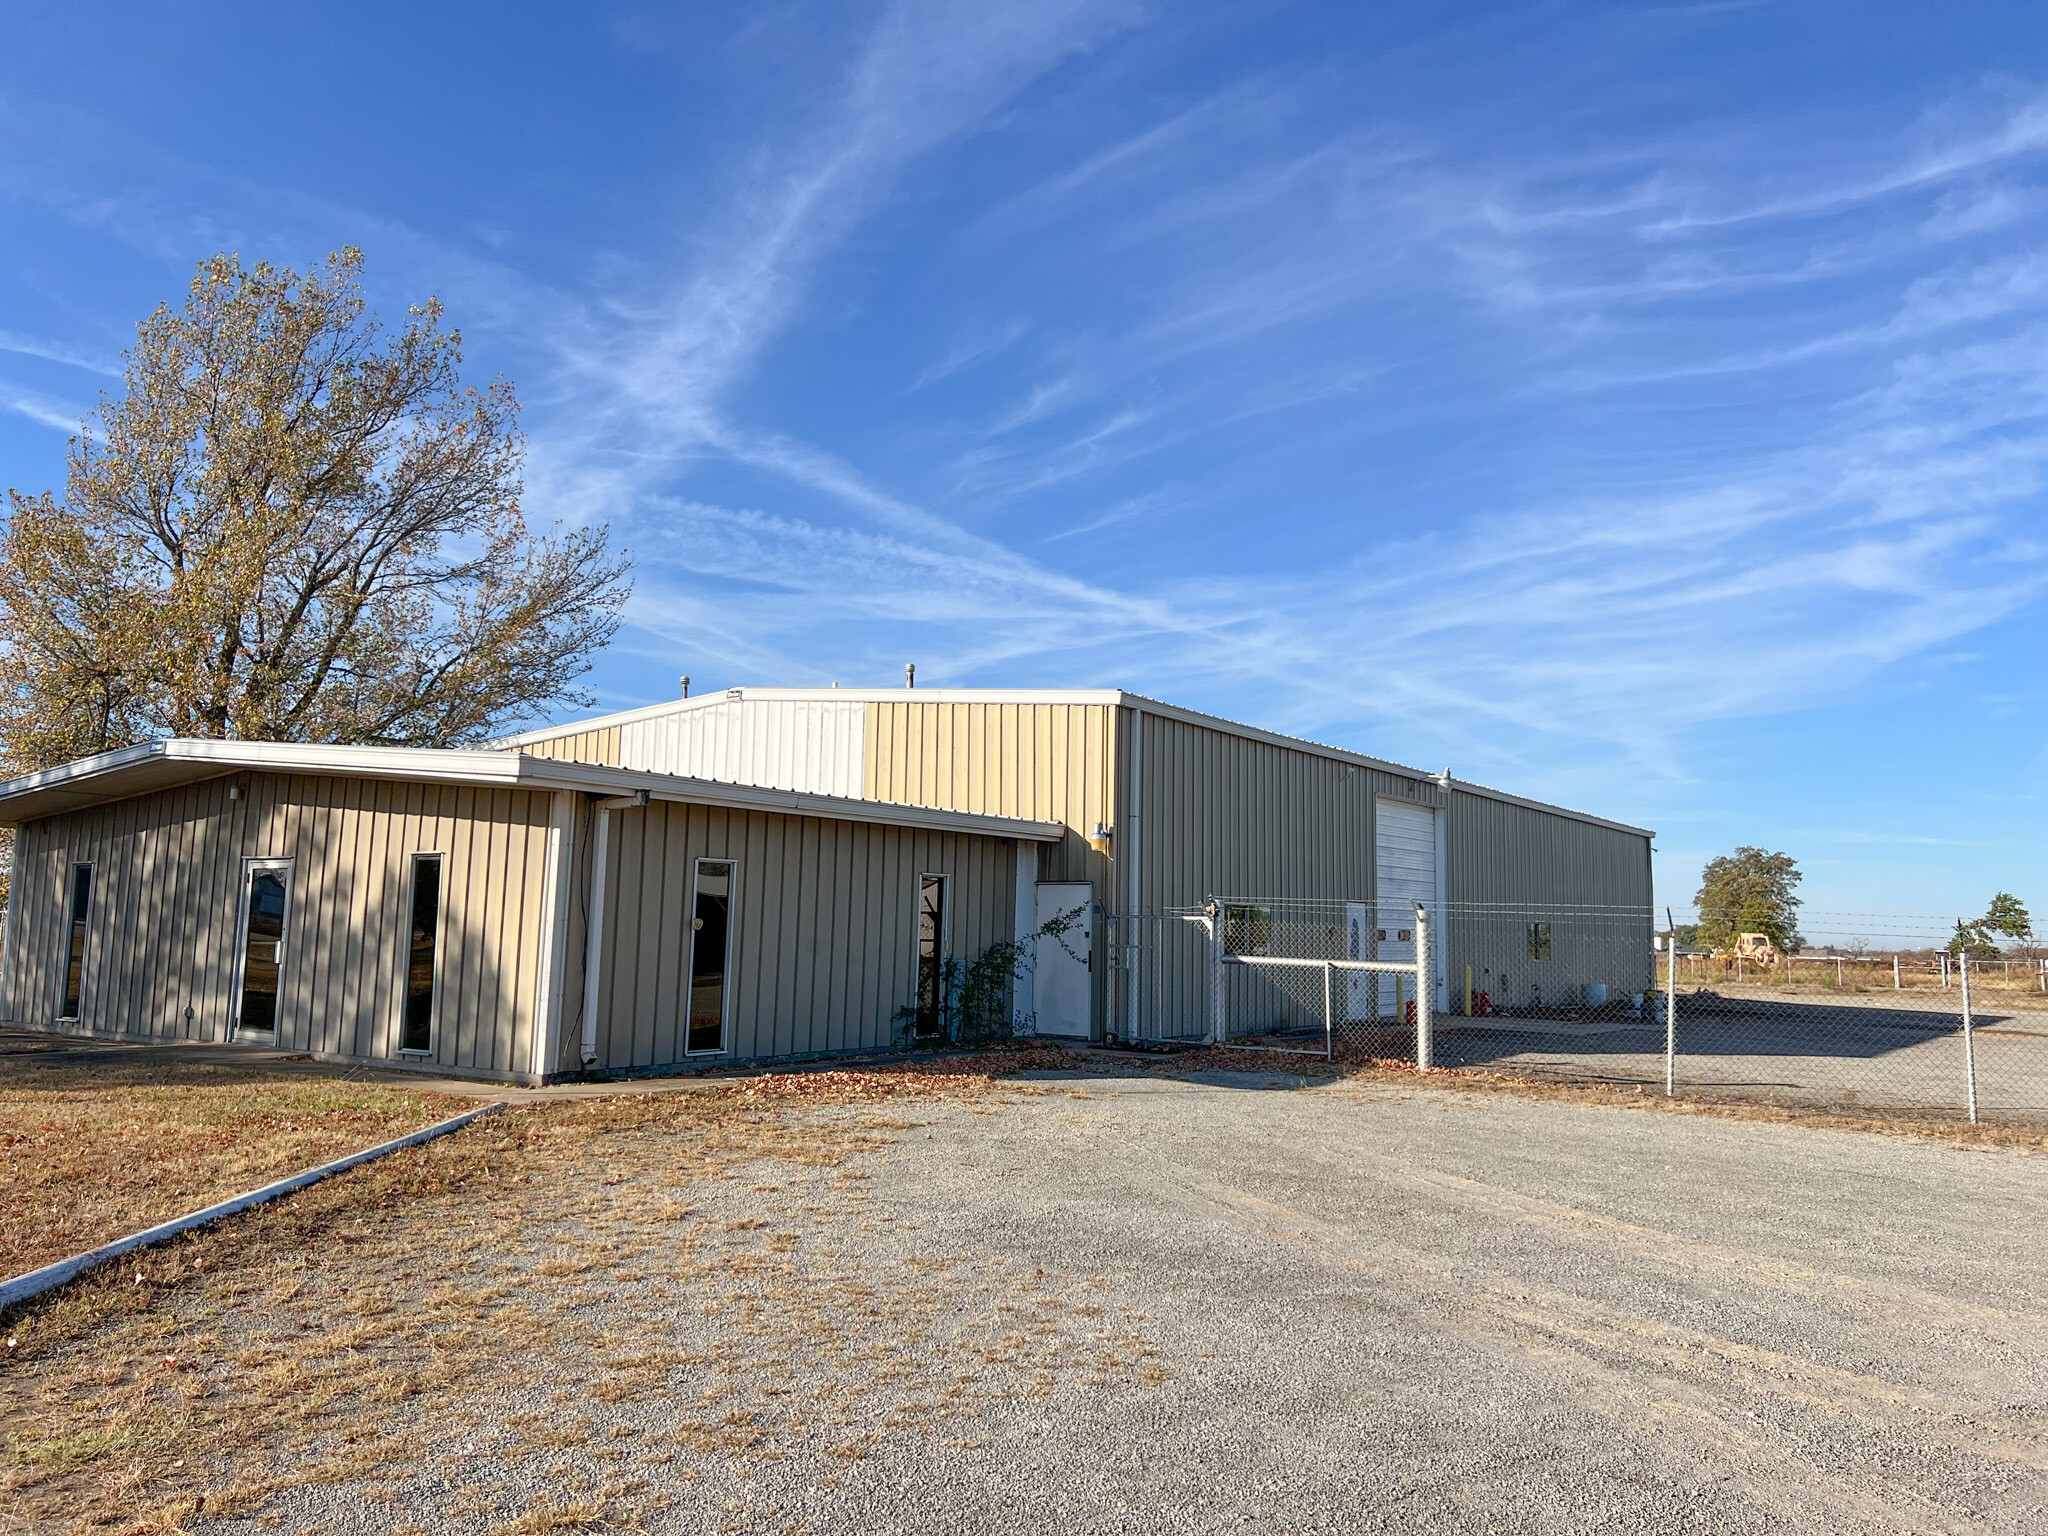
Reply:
x=435 y=909
x=771 y=873
x=1163 y=808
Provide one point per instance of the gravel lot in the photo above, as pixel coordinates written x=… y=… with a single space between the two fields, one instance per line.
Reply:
x=1161 y=1305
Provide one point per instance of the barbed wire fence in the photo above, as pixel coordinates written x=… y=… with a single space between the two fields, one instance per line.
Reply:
x=1894 y=1026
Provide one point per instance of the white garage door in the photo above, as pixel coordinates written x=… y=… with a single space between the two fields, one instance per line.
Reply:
x=1405 y=862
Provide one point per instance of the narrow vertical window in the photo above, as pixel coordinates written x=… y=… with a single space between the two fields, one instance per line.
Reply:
x=74 y=959
x=1539 y=941
x=710 y=948
x=931 y=955
x=417 y=1032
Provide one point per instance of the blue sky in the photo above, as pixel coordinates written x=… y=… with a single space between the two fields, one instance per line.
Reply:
x=1639 y=406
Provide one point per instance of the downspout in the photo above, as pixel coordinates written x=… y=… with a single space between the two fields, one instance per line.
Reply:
x=9 y=948
x=593 y=927
x=1131 y=818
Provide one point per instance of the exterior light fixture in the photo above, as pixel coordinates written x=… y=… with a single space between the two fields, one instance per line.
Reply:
x=1099 y=838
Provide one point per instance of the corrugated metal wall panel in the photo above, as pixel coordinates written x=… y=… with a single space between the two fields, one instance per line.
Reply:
x=816 y=746
x=162 y=932
x=1222 y=815
x=1590 y=884
x=824 y=928
x=1048 y=762
x=593 y=746
x=1219 y=814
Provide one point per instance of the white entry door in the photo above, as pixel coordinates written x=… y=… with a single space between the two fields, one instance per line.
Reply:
x=1061 y=966
x=1406 y=868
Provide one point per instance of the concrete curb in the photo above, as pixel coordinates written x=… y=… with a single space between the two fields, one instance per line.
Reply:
x=24 y=1287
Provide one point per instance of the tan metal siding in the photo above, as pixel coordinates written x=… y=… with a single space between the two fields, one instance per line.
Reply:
x=824 y=927
x=593 y=746
x=1047 y=762
x=162 y=930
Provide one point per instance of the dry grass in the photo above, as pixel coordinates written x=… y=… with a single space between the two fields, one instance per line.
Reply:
x=453 y=1285
x=1362 y=1070
x=2021 y=990
x=92 y=1152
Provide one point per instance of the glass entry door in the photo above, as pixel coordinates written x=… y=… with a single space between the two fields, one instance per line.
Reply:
x=266 y=904
x=710 y=950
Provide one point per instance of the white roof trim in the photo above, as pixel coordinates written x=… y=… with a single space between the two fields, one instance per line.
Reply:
x=86 y=780
x=1113 y=697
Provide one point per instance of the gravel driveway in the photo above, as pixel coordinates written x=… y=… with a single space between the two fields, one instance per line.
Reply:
x=1188 y=1306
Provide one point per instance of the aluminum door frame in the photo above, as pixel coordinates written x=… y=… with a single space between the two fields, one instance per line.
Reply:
x=250 y=867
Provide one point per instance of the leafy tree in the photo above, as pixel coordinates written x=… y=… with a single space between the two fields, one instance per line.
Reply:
x=1749 y=891
x=294 y=526
x=2005 y=918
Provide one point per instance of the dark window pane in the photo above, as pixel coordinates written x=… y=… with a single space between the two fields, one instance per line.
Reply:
x=931 y=955
x=263 y=949
x=710 y=936
x=1247 y=930
x=417 y=1031
x=74 y=962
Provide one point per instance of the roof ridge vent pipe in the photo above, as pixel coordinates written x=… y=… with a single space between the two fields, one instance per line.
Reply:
x=910 y=674
x=686 y=685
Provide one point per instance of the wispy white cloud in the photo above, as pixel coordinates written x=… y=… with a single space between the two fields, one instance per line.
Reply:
x=40 y=409
x=58 y=352
x=977 y=344
x=1254 y=278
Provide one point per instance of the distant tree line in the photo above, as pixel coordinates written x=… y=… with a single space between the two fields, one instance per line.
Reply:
x=1754 y=891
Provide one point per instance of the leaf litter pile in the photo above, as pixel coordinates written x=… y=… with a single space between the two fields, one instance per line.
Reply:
x=552 y=1320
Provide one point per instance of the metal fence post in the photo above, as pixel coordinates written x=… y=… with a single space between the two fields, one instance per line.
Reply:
x=1425 y=992
x=1895 y=973
x=1969 y=1038
x=1329 y=1009
x=1215 y=972
x=1671 y=1016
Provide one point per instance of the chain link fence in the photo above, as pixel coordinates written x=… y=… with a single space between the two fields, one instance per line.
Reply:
x=1588 y=995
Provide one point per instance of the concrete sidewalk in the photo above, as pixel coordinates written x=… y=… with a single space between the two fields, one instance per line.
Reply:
x=69 y=1051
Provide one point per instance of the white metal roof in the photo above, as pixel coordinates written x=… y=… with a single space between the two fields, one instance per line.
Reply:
x=154 y=765
x=1114 y=697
